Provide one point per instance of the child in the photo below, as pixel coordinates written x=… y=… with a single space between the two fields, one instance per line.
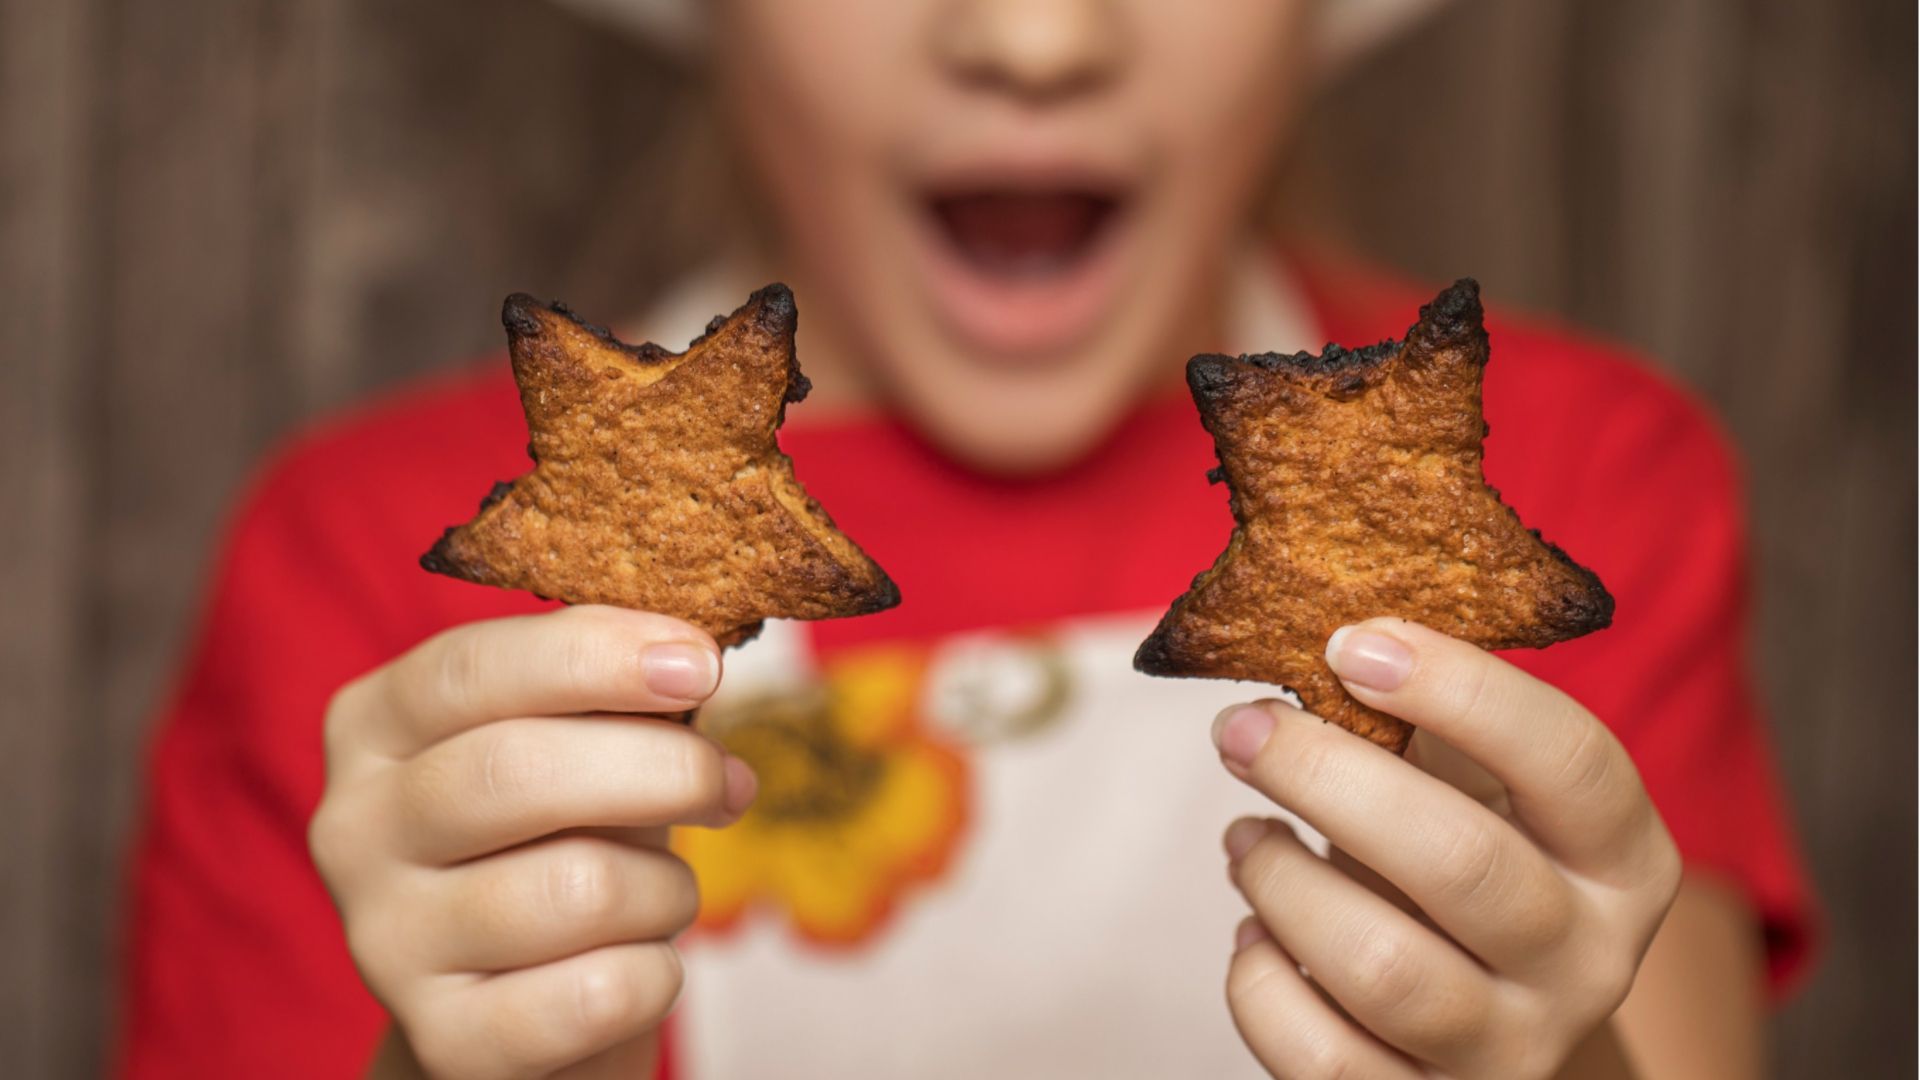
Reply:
x=963 y=838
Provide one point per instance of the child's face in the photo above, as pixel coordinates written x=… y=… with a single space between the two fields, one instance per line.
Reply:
x=1011 y=214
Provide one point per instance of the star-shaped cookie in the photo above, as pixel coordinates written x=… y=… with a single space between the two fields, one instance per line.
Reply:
x=657 y=480
x=1357 y=492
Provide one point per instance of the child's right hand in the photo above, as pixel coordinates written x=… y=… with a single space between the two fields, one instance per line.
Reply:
x=494 y=833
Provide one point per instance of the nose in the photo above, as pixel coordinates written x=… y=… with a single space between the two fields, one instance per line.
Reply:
x=1036 y=49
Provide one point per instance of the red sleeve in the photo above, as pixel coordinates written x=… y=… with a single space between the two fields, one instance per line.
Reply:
x=1656 y=511
x=236 y=964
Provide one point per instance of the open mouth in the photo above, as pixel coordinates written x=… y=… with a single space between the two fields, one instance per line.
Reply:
x=1024 y=236
x=1024 y=271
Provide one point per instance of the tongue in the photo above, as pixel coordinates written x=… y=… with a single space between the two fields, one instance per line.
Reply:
x=1022 y=234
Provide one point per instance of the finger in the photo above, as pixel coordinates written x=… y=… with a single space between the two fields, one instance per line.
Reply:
x=634 y=1058
x=517 y=780
x=656 y=837
x=1402 y=982
x=1292 y=1030
x=1380 y=886
x=1474 y=874
x=579 y=659
x=537 y=1020
x=1458 y=771
x=1570 y=780
x=1252 y=931
x=541 y=902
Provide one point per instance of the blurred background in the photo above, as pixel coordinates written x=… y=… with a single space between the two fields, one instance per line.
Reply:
x=221 y=217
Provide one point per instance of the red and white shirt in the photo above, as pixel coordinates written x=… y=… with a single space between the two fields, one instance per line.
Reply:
x=984 y=844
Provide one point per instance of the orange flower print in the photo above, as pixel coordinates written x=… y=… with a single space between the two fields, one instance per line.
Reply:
x=857 y=805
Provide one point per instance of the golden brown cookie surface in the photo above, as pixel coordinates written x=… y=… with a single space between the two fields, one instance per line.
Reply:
x=658 y=484
x=1357 y=492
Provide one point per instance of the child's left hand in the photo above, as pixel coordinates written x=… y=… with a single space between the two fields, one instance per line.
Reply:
x=1481 y=924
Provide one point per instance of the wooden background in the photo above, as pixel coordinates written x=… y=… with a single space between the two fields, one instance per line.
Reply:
x=218 y=217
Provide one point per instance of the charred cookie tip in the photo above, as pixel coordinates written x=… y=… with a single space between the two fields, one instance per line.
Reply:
x=798 y=388
x=886 y=595
x=1453 y=316
x=1209 y=373
x=438 y=559
x=519 y=313
x=1155 y=656
x=774 y=307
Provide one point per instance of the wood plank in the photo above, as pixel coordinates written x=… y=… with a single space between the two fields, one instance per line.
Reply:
x=463 y=167
x=171 y=412
x=1842 y=493
x=1442 y=153
x=44 y=103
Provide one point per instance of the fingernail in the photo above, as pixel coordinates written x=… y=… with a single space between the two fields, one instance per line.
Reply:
x=1369 y=658
x=1242 y=835
x=1249 y=932
x=1239 y=733
x=680 y=670
x=742 y=786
